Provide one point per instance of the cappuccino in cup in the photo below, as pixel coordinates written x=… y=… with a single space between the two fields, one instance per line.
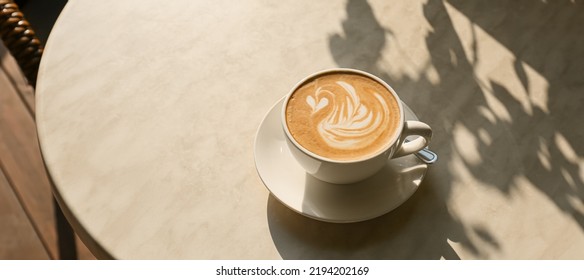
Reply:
x=342 y=116
x=342 y=125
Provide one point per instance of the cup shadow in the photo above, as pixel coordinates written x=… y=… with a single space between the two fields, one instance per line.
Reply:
x=372 y=197
x=404 y=233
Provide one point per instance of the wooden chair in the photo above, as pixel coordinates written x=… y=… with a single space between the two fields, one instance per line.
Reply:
x=24 y=45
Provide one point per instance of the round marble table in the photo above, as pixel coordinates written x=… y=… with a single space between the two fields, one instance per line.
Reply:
x=147 y=113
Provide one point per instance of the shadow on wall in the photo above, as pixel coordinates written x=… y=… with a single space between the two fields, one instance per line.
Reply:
x=538 y=144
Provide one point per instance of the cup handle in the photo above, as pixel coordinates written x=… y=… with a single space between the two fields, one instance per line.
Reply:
x=413 y=128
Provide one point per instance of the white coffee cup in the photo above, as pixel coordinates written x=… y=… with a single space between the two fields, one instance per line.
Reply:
x=350 y=171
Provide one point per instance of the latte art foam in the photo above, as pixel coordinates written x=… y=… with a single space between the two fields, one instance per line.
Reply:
x=342 y=116
x=348 y=123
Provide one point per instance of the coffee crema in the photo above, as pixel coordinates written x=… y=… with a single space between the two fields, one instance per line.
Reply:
x=342 y=116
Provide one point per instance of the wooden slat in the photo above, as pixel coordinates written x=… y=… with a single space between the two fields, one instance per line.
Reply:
x=22 y=163
x=82 y=252
x=18 y=239
x=17 y=80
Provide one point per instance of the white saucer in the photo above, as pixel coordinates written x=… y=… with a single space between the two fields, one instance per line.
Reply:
x=301 y=192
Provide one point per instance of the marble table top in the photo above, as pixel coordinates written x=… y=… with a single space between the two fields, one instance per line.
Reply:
x=147 y=114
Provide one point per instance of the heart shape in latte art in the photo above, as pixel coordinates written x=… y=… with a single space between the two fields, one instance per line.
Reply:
x=352 y=119
x=316 y=107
